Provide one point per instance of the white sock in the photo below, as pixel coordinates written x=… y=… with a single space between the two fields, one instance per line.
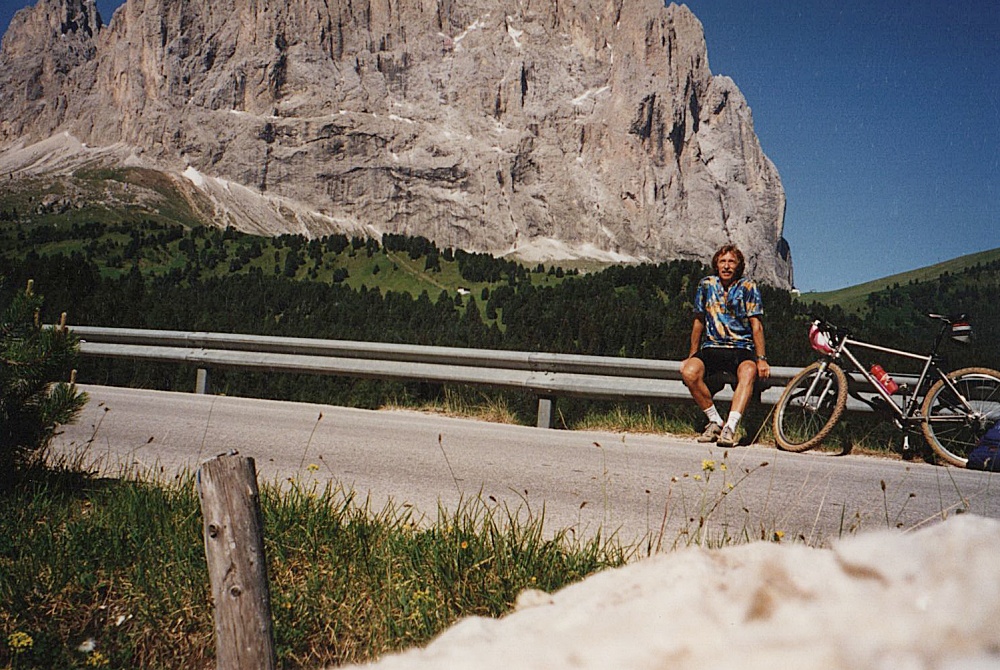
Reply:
x=733 y=420
x=713 y=415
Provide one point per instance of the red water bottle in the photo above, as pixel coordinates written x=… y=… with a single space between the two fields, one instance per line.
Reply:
x=883 y=378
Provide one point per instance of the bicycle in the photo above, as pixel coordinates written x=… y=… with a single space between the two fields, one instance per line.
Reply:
x=953 y=409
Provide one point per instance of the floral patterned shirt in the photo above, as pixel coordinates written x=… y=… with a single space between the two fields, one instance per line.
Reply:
x=727 y=313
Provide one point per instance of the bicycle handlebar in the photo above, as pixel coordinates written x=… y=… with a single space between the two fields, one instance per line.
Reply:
x=836 y=334
x=954 y=318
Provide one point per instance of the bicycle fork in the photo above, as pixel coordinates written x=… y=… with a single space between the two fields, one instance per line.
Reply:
x=813 y=400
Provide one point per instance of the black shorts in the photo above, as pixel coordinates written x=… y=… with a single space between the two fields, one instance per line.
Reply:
x=724 y=359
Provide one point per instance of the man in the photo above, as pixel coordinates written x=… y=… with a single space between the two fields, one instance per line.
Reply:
x=727 y=335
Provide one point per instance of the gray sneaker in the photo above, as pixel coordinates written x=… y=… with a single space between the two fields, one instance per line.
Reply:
x=711 y=433
x=727 y=438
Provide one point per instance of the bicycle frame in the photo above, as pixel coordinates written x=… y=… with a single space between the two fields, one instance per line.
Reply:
x=908 y=411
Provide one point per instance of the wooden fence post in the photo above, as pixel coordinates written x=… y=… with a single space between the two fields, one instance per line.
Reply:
x=234 y=547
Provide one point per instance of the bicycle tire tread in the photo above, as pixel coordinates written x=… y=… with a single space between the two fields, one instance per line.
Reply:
x=838 y=409
x=942 y=452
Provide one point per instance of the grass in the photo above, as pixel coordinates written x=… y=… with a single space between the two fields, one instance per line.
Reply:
x=630 y=419
x=111 y=572
x=710 y=502
x=854 y=433
x=105 y=195
x=852 y=298
x=463 y=402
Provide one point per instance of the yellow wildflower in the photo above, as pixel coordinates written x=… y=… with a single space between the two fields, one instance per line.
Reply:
x=312 y=467
x=19 y=642
x=97 y=660
x=708 y=465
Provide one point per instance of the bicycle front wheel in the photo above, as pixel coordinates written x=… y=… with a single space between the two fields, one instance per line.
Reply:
x=953 y=427
x=810 y=406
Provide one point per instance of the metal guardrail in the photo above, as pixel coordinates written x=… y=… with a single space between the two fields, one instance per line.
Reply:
x=547 y=375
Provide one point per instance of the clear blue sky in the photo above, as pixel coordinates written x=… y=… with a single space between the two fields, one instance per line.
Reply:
x=883 y=119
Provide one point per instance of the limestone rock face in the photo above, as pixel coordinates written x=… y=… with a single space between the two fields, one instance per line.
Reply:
x=537 y=128
x=47 y=63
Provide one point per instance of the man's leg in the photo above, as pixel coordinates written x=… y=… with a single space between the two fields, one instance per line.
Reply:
x=746 y=376
x=693 y=375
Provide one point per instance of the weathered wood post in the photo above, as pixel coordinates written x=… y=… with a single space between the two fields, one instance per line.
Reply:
x=234 y=547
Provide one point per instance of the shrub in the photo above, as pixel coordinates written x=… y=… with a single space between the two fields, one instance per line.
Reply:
x=33 y=400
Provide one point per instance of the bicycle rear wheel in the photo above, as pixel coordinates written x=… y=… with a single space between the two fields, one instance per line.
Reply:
x=810 y=406
x=952 y=429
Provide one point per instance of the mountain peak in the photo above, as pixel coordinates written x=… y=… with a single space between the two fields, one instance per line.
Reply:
x=593 y=127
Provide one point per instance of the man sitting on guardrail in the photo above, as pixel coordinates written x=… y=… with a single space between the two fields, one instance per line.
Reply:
x=727 y=335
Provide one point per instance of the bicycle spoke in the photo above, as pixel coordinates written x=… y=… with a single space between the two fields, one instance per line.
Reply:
x=809 y=407
x=955 y=420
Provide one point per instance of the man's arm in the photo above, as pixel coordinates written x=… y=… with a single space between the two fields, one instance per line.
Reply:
x=697 y=330
x=757 y=329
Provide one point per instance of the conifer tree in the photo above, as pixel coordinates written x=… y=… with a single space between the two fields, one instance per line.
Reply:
x=37 y=393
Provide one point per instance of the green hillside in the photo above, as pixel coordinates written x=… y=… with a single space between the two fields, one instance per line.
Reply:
x=152 y=274
x=853 y=298
x=183 y=254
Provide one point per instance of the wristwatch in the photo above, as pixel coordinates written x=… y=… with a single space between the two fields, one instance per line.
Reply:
x=762 y=358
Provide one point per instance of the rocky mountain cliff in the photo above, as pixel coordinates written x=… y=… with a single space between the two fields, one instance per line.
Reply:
x=544 y=129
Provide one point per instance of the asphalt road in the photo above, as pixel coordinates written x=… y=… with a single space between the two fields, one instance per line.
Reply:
x=638 y=486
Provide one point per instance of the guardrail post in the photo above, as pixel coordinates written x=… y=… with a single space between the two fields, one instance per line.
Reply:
x=234 y=549
x=545 y=405
x=201 y=381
